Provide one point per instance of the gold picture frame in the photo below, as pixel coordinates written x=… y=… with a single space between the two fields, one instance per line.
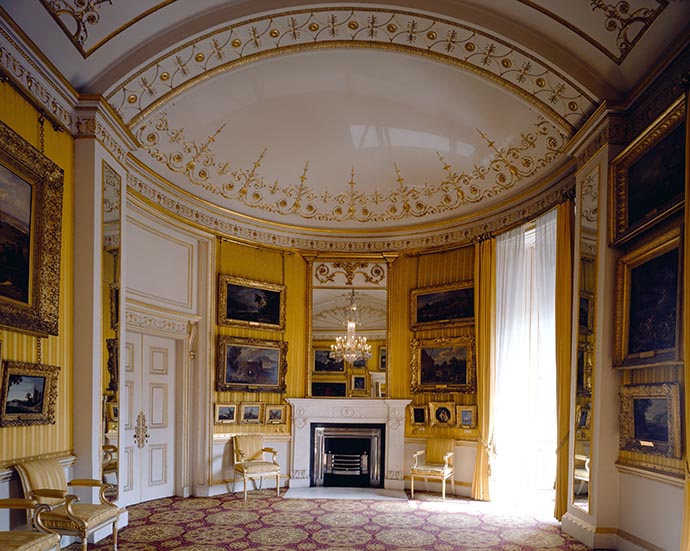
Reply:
x=648 y=176
x=466 y=416
x=28 y=393
x=358 y=384
x=252 y=365
x=442 y=414
x=275 y=414
x=648 y=303
x=442 y=306
x=418 y=415
x=252 y=412
x=248 y=303
x=31 y=229
x=443 y=364
x=225 y=413
x=650 y=419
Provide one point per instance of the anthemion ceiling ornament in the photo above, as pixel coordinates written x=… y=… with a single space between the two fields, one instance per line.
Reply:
x=475 y=50
x=505 y=168
x=75 y=17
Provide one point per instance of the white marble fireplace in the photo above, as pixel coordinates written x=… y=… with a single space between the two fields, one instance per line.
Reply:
x=348 y=411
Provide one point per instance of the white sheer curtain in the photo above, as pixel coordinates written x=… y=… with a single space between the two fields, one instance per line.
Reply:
x=525 y=404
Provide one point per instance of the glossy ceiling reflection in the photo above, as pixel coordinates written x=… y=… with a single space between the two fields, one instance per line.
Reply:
x=358 y=126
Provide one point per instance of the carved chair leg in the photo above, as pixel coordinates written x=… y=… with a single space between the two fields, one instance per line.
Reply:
x=277 y=485
x=115 y=536
x=412 y=486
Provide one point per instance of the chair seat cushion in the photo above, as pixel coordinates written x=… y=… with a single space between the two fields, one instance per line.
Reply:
x=257 y=467
x=25 y=540
x=90 y=514
x=431 y=469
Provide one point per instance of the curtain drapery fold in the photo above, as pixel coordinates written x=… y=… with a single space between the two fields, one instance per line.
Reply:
x=564 y=335
x=484 y=315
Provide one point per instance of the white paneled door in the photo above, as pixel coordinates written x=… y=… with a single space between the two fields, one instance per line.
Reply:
x=147 y=418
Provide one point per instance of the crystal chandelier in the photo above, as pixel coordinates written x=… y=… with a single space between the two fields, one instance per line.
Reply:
x=350 y=347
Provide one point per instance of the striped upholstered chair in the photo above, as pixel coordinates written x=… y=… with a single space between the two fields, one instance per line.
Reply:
x=250 y=463
x=27 y=540
x=436 y=464
x=44 y=480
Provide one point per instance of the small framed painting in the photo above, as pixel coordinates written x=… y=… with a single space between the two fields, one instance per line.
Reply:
x=28 y=393
x=276 y=414
x=418 y=415
x=226 y=413
x=650 y=419
x=359 y=385
x=466 y=416
x=323 y=363
x=252 y=412
x=442 y=414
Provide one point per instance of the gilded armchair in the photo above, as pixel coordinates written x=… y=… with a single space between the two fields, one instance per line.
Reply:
x=44 y=480
x=27 y=540
x=250 y=463
x=436 y=464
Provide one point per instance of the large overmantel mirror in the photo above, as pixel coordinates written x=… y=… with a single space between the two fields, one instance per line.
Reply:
x=349 y=352
x=587 y=209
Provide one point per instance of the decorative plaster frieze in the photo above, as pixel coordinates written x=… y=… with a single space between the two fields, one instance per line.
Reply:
x=299 y=474
x=489 y=56
x=162 y=322
x=18 y=64
x=223 y=222
x=394 y=475
x=92 y=120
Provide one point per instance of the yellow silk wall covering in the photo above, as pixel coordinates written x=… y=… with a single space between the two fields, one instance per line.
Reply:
x=21 y=442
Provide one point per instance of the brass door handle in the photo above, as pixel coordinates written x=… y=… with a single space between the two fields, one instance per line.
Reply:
x=141 y=435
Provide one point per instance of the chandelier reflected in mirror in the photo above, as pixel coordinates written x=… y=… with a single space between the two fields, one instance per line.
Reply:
x=350 y=347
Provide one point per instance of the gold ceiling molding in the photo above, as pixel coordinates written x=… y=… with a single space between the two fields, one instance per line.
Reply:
x=508 y=166
x=208 y=217
x=372 y=273
x=75 y=17
x=487 y=55
x=629 y=21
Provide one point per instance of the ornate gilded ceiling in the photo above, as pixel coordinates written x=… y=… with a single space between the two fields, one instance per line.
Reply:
x=364 y=126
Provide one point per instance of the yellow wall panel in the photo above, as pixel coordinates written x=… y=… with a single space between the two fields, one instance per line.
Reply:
x=22 y=442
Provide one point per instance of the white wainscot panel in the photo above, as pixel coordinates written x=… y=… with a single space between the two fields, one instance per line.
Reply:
x=161 y=265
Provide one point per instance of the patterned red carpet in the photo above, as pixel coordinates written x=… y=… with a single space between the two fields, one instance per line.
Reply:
x=269 y=523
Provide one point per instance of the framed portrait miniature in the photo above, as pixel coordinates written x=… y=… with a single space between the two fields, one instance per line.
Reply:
x=252 y=412
x=246 y=303
x=650 y=419
x=323 y=363
x=226 y=413
x=648 y=314
x=276 y=414
x=442 y=414
x=466 y=416
x=649 y=176
x=442 y=306
x=28 y=393
x=359 y=385
x=418 y=415
x=443 y=364
x=251 y=365
x=31 y=188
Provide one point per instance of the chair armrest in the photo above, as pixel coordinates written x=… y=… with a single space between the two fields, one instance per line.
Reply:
x=416 y=456
x=447 y=457
x=48 y=492
x=85 y=482
x=273 y=453
x=17 y=503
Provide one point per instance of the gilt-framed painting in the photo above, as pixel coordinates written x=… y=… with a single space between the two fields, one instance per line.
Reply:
x=31 y=188
x=28 y=393
x=466 y=416
x=442 y=306
x=650 y=419
x=276 y=414
x=443 y=364
x=247 y=303
x=648 y=293
x=442 y=414
x=226 y=413
x=418 y=415
x=252 y=412
x=648 y=176
x=252 y=365
x=323 y=363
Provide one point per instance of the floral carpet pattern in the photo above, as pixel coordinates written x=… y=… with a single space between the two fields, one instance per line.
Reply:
x=269 y=523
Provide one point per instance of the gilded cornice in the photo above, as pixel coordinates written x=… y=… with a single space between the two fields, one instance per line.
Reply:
x=224 y=223
x=487 y=55
x=15 y=62
x=94 y=119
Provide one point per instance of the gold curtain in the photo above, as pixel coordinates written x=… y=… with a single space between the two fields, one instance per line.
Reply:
x=685 y=534
x=485 y=316
x=564 y=301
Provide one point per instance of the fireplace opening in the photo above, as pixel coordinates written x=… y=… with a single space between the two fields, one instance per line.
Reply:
x=347 y=455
